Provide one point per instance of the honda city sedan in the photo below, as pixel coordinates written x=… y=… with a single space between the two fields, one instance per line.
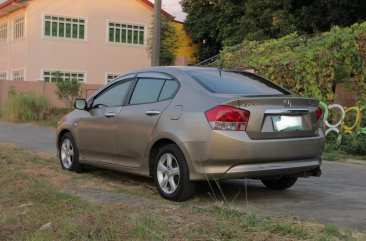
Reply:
x=180 y=125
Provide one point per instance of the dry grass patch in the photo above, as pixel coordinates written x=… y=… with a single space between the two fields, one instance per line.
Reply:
x=36 y=204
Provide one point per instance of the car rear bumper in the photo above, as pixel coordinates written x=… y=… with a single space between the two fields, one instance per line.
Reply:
x=302 y=167
x=234 y=155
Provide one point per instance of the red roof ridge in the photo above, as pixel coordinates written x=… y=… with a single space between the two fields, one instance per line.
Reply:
x=7 y=3
x=147 y=2
x=165 y=13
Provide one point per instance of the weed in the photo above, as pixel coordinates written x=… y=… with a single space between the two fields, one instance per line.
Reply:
x=25 y=107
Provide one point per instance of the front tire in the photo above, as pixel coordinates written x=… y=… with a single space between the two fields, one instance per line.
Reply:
x=69 y=154
x=171 y=174
x=281 y=183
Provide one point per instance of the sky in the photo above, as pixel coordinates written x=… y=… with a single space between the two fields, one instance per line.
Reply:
x=171 y=6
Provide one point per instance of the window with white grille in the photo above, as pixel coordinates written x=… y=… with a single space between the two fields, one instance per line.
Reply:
x=19 y=24
x=18 y=75
x=3 y=76
x=3 y=32
x=53 y=76
x=126 y=33
x=64 y=27
x=111 y=77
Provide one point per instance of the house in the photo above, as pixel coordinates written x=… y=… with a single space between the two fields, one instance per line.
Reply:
x=89 y=40
x=184 y=55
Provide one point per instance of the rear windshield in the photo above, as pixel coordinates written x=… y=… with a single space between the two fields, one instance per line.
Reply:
x=225 y=82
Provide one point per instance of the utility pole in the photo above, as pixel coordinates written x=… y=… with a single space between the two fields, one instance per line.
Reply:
x=155 y=56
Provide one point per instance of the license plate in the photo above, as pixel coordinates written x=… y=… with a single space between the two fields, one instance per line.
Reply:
x=287 y=123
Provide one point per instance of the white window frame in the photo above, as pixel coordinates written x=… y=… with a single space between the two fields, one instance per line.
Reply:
x=15 y=32
x=20 y=73
x=4 y=29
x=126 y=23
x=110 y=74
x=63 y=72
x=44 y=15
x=4 y=75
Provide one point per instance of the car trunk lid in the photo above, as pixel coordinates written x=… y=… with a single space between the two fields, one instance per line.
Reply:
x=283 y=116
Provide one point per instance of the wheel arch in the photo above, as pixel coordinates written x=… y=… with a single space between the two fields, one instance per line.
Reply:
x=154 y=151
x=62 y=133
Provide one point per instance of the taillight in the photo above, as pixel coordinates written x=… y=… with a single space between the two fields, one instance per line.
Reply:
x=319 y=113
x=227 y=118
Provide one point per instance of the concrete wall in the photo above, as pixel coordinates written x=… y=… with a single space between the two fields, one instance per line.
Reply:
x=40 y=88
x=343 y=96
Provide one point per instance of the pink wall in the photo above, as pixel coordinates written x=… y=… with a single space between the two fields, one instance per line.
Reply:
x=12 y=52
x=95 y=55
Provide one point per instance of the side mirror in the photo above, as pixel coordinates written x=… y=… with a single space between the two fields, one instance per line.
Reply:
x=80 y=104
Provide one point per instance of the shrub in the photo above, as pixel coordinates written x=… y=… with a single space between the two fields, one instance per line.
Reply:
x=68 y=91
x=307 y=65
x=347 y=144
x=25 y=107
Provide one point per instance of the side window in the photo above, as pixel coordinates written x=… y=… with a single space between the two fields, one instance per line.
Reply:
x=146 y=91
x=169 y=89
x=113 y=96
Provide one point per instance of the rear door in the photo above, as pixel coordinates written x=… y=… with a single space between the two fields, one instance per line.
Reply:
x=138 y=118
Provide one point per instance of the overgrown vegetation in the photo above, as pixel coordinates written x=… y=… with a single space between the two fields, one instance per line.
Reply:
x=28 y=107
x=343 y=147
x=36 y=204
x=24 y=107
x=308 y=66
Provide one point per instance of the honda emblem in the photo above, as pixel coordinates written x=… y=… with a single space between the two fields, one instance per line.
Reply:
x=287 y=103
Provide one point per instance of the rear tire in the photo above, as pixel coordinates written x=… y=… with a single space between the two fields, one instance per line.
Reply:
x=69 y=154
x=281 y=183
x=171 y=174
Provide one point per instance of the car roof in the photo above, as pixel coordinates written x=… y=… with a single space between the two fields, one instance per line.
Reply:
x=171 y=69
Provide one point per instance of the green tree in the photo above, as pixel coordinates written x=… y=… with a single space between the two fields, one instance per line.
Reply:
x=169 y=42
x=267 y=19
x=201 y=24
x=218 y=23
x=320 y=15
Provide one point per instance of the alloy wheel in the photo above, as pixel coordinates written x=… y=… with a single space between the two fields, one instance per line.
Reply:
x=67 y=153
x=168 y=173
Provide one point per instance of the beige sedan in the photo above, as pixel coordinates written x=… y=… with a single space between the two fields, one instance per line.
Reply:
x=185 y=124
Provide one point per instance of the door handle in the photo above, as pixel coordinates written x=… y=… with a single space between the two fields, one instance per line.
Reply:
x=110 y=115
x=152 y=112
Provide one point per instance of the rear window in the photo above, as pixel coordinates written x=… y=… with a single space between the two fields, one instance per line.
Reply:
x=225 y=82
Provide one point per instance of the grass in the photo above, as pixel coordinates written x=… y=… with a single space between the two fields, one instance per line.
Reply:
x=34 y=192
x=25 y=107
x=48 y=118
x=339 y=156
x=52 y=117
x=28 y=107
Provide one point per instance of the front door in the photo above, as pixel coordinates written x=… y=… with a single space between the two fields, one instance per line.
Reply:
x=97 y=132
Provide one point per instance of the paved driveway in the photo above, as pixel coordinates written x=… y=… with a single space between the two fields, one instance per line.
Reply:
x=29 y=136
x=338 y=197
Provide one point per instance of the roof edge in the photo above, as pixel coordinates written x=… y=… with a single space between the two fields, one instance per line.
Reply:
x=7 y=3
x=147 y=2
x=152 y=5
